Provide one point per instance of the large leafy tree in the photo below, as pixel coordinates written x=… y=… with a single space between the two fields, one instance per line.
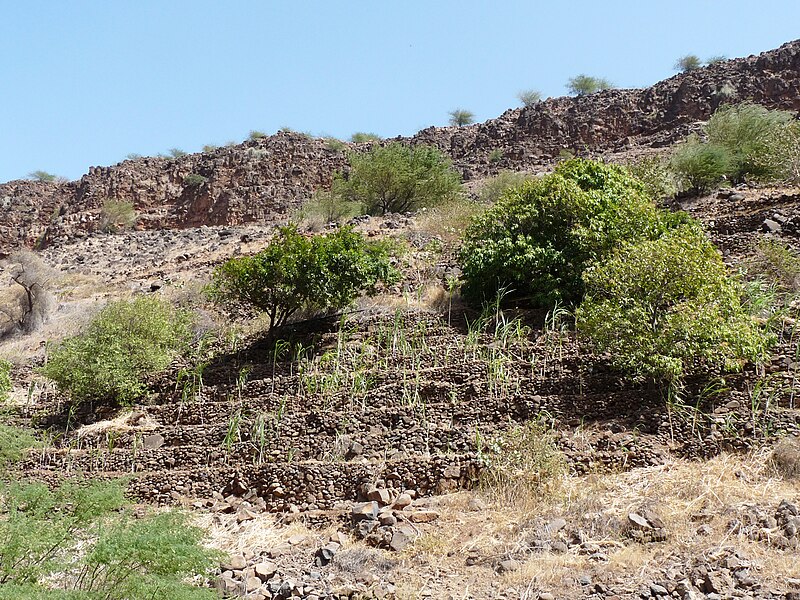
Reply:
x=537 y=240
x=667 y=307
x=295 y=272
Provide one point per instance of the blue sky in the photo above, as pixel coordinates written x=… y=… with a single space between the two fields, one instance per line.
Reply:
x=88 y=82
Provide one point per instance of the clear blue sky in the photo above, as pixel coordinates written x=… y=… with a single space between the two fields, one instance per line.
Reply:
x=88 y=82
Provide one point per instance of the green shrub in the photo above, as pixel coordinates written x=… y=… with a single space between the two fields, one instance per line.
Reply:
x=460 y=117
x=656 y=176
x=700 y=166
x=75 y=538
x=359 y=137
x=176 y=153
x=687 y=63
x=529 y=97
x=582 y=85
x=256 y=135
x=493 y=188
x=335 y=144
x=295 y=272
x=210 y=147
x=666 y=308
x=5 y=380
x=775 y=259
x=717 y=58
x=747 y=131
x=194 y=180
x=782 y=157
x=496 y=155
x=539 y=237
x=13 y=444
x=126 y=342
x=117 y=215
x=398 y=178
x=325 y=207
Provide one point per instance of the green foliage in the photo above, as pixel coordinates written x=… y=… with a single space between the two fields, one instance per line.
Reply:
x=210 y=147
x=76 y=538
x=5 y=380
x=335 y=144
x=582 y=85
x=296 y=272
x=256 y=135
x=493 y=188
x=747 y=132
x=460 y=117
x=687 y=63
x=538 y=238
x=665 y=308
x=717 y=58
x=782 y=157
x=325 y=207
x=775 y=259
x=13 y=444
x=117 y=215
x=495 y=155
x=194 y=180
x=176 y=153
x=126 y=342
x=43 y=176
x=133 y=156
x=359 y=137
x=529 y=97
x=656 y=176
x=398 y=178
x=700 y=166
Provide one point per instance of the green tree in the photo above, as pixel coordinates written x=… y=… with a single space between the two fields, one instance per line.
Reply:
x=43 y=176
x=127 y=341
x=460 y=117
x=582 y=85
x=398 y=178
x=665 y=308
x=529 y=97
x=687 y=63
x=540 y=236
x=295 y=272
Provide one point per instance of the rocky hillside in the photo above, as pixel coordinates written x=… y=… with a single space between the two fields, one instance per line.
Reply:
x=263 y=180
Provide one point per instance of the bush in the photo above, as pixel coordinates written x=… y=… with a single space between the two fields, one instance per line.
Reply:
x=539 y=237
x=13 y=444
x=687 y=63
x=495 y=187
x=194 y=180
x=654 y=173
x=700 y=166
x=582 y=85
x=359 y=137
x=325 y=207
x=76 y=538
x=522 y=462
x=775 y=259
x=398 y=178
x=529 y=97
x=117 y=215
x=126 y=342
x=5 y=380
x=666 y=308
x=460 y=117
x=782 y=157
x=176 y=153
x=256 y=135
x=748 y=132
x=295 y=272
x=717 y=58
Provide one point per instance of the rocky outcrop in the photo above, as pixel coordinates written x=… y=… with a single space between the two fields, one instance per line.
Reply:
x=264 y=180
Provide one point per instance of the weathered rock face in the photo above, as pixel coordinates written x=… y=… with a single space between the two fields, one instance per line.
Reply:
x=264 y=180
